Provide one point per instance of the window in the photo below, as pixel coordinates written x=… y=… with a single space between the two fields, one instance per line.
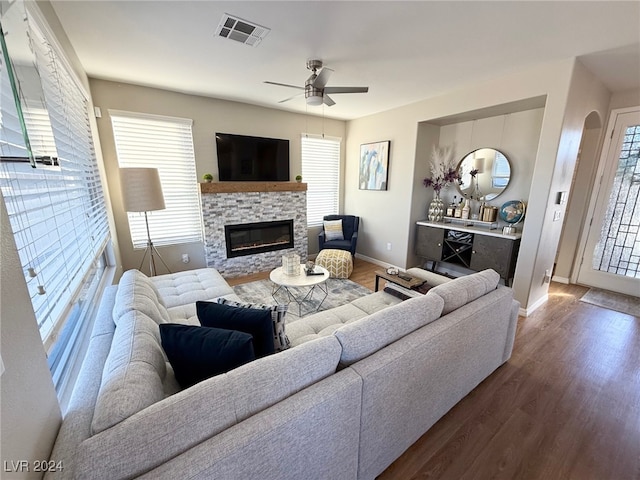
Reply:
x=165 y=143
x=50 y=182
x=321 y=172
x=501 y=171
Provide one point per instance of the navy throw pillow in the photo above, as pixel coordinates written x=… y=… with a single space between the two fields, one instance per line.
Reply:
x=197 y=353
x=256 y=322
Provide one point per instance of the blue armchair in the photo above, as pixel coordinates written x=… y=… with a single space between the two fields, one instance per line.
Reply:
x=350 y=224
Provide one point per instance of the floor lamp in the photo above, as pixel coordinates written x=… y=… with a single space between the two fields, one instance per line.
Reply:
x=142 y=192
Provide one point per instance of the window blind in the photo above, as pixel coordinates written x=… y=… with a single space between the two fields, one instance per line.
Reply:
x=56 y=210
x=501 y=171
x=165 y=143
x=321 y=172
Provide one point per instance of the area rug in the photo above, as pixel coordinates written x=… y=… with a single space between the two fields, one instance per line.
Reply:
x=341 y=292
x=613 y=301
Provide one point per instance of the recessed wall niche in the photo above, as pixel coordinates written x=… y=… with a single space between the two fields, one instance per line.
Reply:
x=513 y=129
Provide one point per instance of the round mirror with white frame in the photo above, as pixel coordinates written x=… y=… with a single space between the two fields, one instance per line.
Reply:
x=484 y=174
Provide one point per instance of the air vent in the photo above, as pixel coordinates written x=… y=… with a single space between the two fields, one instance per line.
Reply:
x=240 y=30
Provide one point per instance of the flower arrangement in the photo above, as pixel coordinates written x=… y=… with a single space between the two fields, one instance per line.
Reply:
x=473 y=174
x=443 y=170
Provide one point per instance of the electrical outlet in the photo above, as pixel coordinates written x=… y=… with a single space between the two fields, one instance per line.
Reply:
x=185 y=258
x=557 y=215
x=547 y=276
x=389 y=246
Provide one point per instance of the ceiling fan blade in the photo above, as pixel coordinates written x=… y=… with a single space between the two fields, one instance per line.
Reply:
x=285 y=85
x=291 y=98
x=346 y=89
x=327 y=100
x=322 y=78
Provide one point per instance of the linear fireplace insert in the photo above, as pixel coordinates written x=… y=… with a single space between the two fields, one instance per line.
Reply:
x=250 y=238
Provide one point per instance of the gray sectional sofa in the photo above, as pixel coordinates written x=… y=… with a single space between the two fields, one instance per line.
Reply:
x=359 y=385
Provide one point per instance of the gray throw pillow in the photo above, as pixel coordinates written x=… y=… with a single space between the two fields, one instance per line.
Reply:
x=333 y=230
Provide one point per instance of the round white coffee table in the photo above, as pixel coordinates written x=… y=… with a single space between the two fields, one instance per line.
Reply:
x=289 y=282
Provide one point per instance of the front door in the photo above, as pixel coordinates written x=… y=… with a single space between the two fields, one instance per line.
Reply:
x=611 y=258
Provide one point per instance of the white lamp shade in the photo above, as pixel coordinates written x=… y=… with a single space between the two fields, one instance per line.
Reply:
x=479 y=164
x=141 y=189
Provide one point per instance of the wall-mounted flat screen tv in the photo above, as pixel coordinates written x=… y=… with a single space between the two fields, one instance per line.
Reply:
x=243 y=158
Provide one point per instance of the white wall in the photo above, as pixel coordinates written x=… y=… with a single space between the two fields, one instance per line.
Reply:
x=628 y=98
x=578 y=201
x=585 y=95
x=390 y=216
x=209 y=115
x=515 y=134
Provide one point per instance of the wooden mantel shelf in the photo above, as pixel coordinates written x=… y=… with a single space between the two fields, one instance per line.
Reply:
x=237 y=187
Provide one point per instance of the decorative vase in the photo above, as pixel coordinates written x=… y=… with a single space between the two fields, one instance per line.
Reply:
x=436 y=208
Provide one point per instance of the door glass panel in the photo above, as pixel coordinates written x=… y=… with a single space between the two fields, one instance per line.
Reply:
x=618 y=250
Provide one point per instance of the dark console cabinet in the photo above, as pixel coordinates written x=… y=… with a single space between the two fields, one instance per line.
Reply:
x=469 y=247
x=429 y=242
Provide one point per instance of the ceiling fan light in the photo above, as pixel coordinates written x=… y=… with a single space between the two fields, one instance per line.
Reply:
x=314 y=100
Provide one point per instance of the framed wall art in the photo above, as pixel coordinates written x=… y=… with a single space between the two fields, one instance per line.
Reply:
x=374 y=165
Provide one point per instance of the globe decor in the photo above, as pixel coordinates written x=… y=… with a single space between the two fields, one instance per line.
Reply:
x=443 y=172
x=512 y=212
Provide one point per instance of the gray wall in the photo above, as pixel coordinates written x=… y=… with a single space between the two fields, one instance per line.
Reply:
x=389 y=217
x=209 y=115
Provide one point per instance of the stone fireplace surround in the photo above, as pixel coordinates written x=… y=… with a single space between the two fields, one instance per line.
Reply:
x=227 y=203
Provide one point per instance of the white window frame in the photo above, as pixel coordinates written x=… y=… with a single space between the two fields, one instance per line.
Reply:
x=165 y=143
x=321 y=166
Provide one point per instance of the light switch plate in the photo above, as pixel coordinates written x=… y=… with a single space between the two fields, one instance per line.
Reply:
x=561 y=199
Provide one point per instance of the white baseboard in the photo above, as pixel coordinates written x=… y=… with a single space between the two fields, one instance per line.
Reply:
x=564 y=280
x=525 y=312
x=376 y=261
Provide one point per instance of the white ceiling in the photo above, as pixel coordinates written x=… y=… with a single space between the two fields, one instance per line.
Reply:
x=404 y=51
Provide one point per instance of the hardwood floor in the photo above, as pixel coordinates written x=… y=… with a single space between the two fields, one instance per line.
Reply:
x=362 y=274
x=565 y=406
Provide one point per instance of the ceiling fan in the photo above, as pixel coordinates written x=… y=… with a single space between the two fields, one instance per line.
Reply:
x=315 y=90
